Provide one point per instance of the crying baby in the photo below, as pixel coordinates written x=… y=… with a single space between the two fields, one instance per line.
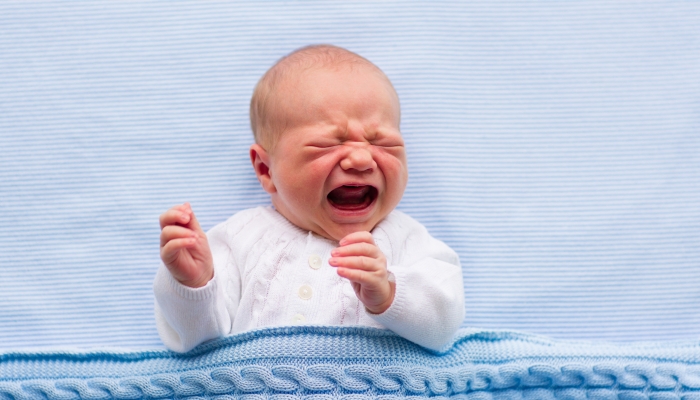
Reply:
x=332 y=249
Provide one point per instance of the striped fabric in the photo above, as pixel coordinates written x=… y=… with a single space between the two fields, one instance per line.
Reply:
x=554 y=145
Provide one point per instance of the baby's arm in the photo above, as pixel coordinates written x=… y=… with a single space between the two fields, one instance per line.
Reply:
x=189 y=300
x=427 y=298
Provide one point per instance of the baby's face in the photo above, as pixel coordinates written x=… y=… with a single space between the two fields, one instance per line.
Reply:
x=339 y=165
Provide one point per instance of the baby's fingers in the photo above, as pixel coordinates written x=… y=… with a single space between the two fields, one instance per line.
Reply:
x=178 y=215
x=368 y=283
x=172 y=232
x=357 y=237
x=356 y=276
x=357 y=262
x=170 y=252
x=194 y=223
x=358 y=249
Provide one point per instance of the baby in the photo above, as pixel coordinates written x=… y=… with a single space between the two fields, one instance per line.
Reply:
x=332 y=250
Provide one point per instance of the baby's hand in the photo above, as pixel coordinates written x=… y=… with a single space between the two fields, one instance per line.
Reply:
x=360 y=261
x=184 y=248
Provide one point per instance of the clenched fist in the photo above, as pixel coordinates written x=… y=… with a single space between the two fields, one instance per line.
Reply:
x=184 y=248
x=359 y=260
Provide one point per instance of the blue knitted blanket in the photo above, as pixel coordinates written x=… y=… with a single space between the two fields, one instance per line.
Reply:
x=359 y=363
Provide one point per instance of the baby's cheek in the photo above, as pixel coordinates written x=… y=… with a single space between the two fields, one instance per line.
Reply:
x=391 y=159
x=318 y=169
x=395 y=172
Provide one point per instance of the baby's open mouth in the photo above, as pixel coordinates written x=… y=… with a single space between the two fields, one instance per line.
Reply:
x=352 y=197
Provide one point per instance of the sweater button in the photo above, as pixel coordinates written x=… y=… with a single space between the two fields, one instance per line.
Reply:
x=315 y=261
x=298 y=319
x=305 y=292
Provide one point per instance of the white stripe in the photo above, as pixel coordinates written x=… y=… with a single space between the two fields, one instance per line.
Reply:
x=553 y=145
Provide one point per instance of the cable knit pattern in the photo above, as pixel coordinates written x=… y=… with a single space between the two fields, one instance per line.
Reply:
x=363 y=363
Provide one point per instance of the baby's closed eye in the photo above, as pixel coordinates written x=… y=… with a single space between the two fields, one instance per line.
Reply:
x=388 y=142
x=323 y=143
x=383 y=136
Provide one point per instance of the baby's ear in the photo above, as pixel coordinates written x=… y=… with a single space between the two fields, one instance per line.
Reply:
x=261 y=164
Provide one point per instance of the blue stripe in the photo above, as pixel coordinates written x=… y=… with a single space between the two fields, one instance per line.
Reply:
x=554 y=145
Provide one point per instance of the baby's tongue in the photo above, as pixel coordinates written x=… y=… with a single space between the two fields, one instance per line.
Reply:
x=349 y=196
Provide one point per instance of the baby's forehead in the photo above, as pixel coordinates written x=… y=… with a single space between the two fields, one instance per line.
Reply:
x=305 y=73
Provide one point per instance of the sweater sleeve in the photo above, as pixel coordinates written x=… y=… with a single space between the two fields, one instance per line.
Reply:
x=186 y=317
x=428 y=306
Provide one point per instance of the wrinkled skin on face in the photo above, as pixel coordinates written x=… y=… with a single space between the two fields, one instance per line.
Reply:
x=339 y=163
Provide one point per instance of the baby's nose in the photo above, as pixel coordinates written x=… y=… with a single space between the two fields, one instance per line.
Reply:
x=359 y=159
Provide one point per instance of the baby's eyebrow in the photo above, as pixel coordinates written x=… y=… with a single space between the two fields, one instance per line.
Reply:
x=380 y=132
x=329 y=129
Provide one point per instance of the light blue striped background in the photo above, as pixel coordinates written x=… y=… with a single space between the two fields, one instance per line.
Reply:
x=554 y=145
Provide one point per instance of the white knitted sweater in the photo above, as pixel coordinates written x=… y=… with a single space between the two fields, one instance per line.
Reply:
x=269 y=272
